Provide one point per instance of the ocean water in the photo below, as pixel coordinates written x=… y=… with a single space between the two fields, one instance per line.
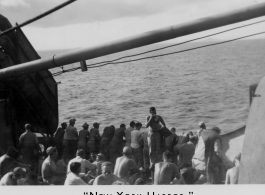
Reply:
x=209 y=84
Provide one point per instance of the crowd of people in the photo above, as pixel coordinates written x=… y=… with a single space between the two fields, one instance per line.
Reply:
x=120 y=156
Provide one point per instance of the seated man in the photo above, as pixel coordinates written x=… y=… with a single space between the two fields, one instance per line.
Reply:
x=85 y=164
x=11 y=178
x=99 y=160
x=107 y=177
x=124 y=165
x=233 y=173
x=72 y=176
x=49 y=171
x=166 y=171
x=7 y=161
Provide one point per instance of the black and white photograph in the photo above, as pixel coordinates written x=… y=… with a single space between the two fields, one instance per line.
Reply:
x=132 y=92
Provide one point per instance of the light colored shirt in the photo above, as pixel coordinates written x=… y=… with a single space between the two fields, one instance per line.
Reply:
x=7 y=180
x=28 y=139
x=135 y=137
x=198 y=159
x=128 y=136
x=85 y=164
x=71 y=133
x=73 y=179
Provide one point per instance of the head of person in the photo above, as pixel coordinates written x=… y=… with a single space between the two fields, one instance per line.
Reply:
x=72 y=121
x=52 y=152
x=19 y=172
x=96 y=125
x=123 y=126
x=216 y=129
x=85 y=126
x=189 y=135
x=237 y=159
x=12 y=152
x=127 y=151
x=138 y=126
x=81 y=153
x=27 y=127
x=173 y=130
x=112 y=127
x=64 y=125
x=75 y=167
x=132 y=124
x=106 y=168
x=167 y=156
x=152 y=110
x=202 y=125
x=100 y=157
x=192 y=139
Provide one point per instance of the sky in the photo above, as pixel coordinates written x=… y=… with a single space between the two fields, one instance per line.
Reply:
x=87 y=23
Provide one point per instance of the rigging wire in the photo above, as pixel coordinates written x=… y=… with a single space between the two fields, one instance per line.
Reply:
x=104 y=63
x=243 y=26
x=37 y=17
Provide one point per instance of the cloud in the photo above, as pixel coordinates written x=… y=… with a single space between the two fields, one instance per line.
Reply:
x=87 y=11
x=13 y=3
x=93 y=11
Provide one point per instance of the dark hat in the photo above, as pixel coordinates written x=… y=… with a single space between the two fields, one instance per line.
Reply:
x=50 y=150
x=64 y=123
x=72 y=120
x=96 y=123
x=217 y=129
x=19 y=171
x=85 y=125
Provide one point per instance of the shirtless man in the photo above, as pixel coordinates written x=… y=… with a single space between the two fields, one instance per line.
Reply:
x=107 y=177
x=94 y=137
x=166 y=171
x=153 y=122
x=83 y=138
x=233 y=173
x=125 y=164
x=49 y=171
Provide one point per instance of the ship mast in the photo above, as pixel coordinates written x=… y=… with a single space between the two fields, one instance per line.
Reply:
x=140 y=40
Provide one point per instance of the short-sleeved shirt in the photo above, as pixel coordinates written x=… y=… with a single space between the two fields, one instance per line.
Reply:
x=70 y=133
x=73 y=179
x=28 y=139
x=85 y=164
x=6 y=163
x=135 y=138
x=7 y=180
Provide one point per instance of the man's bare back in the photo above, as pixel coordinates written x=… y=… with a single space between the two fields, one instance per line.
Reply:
x=165 y=172
x=123 y=166
x=232 y=175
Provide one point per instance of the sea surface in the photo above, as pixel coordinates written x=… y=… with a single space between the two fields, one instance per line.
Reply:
x=209 y=84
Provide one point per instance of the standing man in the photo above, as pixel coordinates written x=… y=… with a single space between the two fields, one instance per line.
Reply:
x=154 y=122
x=135 y=144
x=128 y=133
x=71 y=137
x=171 y=140
x=116 y=143
x=207 y=158
x=93 y=139
x=58 y=137
x=29 y=143
x=83 y=138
